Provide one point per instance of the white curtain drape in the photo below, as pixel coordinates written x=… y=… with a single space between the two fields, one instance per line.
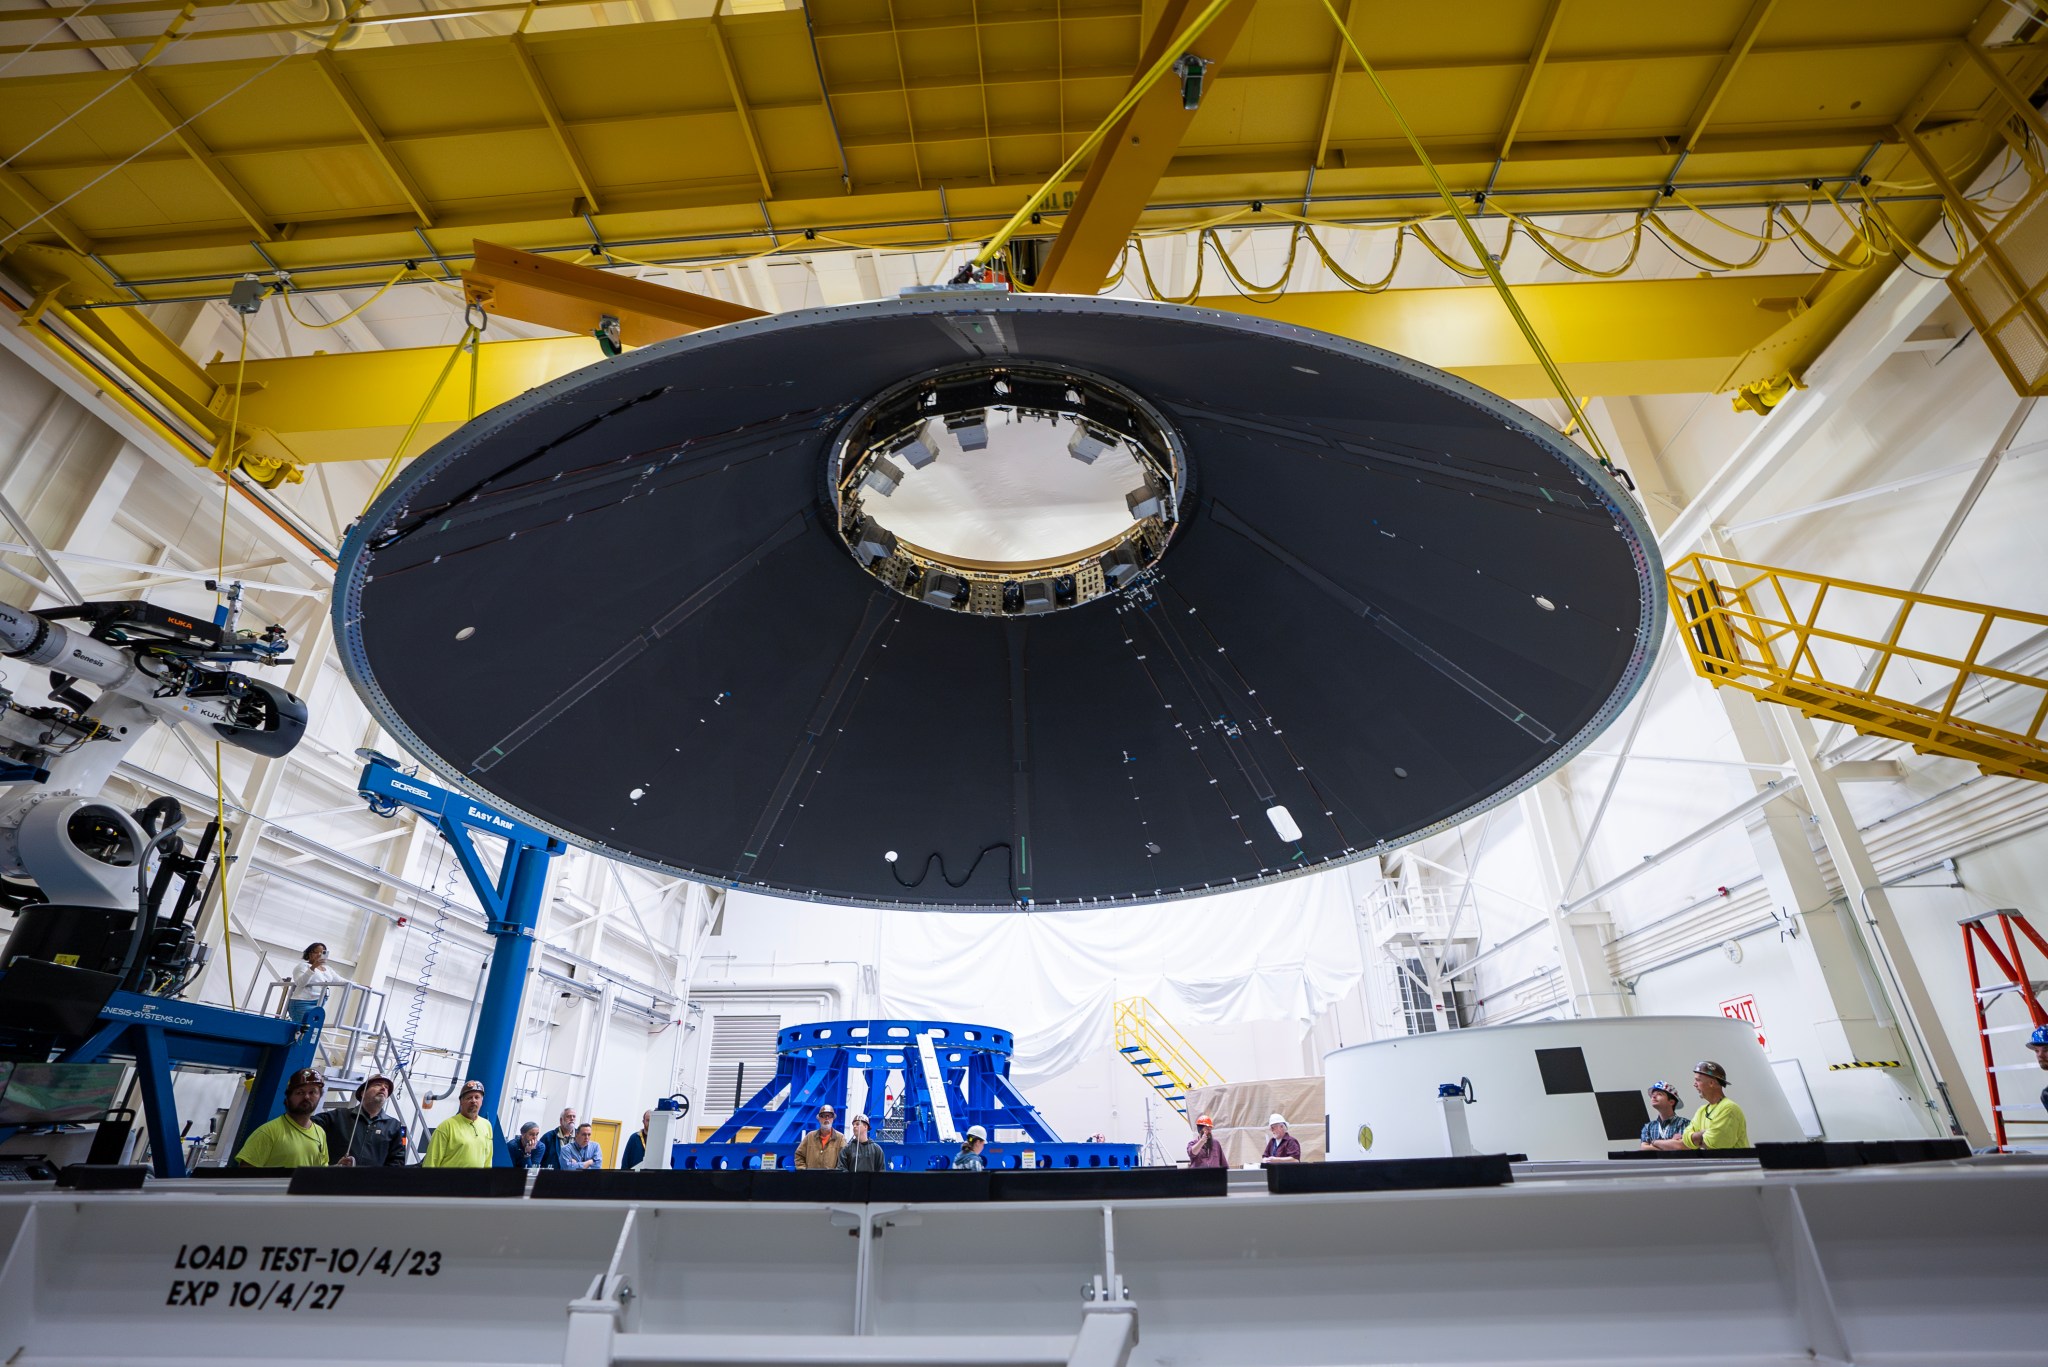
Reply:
x=1285 y=951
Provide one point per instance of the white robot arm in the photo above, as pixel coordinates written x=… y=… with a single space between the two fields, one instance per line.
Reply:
x=147 y=665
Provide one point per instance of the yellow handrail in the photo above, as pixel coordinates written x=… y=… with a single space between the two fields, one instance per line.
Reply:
x=1138 y=1024
x=1803 y=640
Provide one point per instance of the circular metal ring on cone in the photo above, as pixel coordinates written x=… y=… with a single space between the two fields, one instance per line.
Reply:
x=657 y=607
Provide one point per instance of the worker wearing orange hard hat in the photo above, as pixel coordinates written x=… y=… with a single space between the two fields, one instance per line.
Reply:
x=1204 y=1151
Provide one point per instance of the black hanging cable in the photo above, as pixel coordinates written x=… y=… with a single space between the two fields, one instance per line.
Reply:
x=937 y=858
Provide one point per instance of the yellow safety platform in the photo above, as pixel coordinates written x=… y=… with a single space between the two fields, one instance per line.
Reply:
x=1886 y=662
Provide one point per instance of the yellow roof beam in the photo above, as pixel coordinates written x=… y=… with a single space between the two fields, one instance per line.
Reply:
x=373 y=136
x=188 y=138
x=739 y=99
x=356 y=405
x=1630 y=337
x=570 y=298
x=140 y=367
x=552 y=112
x=1834 y=297
x=1127 y=166
x=1609 y=337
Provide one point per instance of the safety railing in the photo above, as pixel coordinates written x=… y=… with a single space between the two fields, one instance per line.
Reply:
x=354 y=1018
x=1848 y=651
x=1162 y=1055
x=1395 y=910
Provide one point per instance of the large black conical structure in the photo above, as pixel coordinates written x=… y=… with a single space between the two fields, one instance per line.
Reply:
x=657 y=606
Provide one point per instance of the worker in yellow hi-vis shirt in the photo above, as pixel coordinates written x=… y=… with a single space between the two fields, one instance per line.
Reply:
x=1719 y=1122
x=465 y=1139
x=291 y=1140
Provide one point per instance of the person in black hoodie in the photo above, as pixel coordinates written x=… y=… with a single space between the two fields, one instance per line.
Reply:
x=365 y=1135
x=861 y=1153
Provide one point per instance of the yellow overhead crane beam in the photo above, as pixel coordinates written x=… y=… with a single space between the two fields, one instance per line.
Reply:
x=1626 y=337
x=137 y=366
x=1609 y=337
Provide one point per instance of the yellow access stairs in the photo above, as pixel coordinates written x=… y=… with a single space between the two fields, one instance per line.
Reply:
x=1885 y=662
x=1150 y=1043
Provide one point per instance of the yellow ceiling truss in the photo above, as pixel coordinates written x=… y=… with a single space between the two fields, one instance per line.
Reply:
x=716 y=134
x=909 y=123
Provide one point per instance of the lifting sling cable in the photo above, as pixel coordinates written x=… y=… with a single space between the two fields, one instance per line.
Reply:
x=1500 y=285
x=469 y=343
x=1174 y=52
x=227 y=455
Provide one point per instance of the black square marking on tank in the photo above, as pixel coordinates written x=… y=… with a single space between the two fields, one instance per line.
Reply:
x=1564 y=1071
x=1623 y=1114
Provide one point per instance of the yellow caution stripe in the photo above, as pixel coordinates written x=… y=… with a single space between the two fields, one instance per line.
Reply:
x=1876 y=1063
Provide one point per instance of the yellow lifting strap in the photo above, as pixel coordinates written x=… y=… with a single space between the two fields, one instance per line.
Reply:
x=1174 y=52
x=1500 y=285
x=470 y=337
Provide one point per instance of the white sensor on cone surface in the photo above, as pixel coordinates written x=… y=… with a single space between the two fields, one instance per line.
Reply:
x=1283 y=823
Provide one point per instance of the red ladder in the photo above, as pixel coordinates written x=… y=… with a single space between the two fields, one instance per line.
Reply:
x=2013 y=978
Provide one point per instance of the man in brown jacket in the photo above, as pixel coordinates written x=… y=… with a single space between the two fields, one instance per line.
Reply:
x=821 y=1147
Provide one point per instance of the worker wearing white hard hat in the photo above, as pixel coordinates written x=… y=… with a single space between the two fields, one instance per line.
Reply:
x=969 y=1158
x=861 y=1153
x=1282 y=1147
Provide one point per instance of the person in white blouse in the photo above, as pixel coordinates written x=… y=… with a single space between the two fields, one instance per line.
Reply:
x=308 y=979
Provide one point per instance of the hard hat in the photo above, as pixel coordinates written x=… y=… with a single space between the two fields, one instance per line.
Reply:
x=304 y=1076
x=826 y=1109
x=390 y=1087
x=859 y=1118
x=1276 y=1119
x=2039 y=1037
x=976 y=1132
x=470 y=1086
x=1204 y=1120
x=1665 y=1088
x=1709 y=1068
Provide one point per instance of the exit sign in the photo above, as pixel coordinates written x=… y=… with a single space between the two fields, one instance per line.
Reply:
x=1744 y=1009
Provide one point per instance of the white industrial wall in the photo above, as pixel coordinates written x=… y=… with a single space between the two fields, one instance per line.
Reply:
x=1935 y=406
x=607 y=1025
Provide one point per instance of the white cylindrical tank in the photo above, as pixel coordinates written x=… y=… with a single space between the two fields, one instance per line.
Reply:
x=1549 y=1089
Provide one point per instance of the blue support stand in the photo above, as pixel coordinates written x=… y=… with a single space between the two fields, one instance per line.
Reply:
x=511 y=902
x=968 y=1084
x=163 y=1033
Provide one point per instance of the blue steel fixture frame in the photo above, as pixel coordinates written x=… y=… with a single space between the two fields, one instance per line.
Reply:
x=162 y=1034
x=817 y=1063
x=511 y=902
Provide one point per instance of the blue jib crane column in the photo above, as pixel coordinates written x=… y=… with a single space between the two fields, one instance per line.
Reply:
x=511 y=902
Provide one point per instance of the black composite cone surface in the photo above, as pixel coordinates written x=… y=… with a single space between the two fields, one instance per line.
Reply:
x=617 y=607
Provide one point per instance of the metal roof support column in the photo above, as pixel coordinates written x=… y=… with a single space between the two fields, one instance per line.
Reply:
x=1581 y=935
x=1936 y=1067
